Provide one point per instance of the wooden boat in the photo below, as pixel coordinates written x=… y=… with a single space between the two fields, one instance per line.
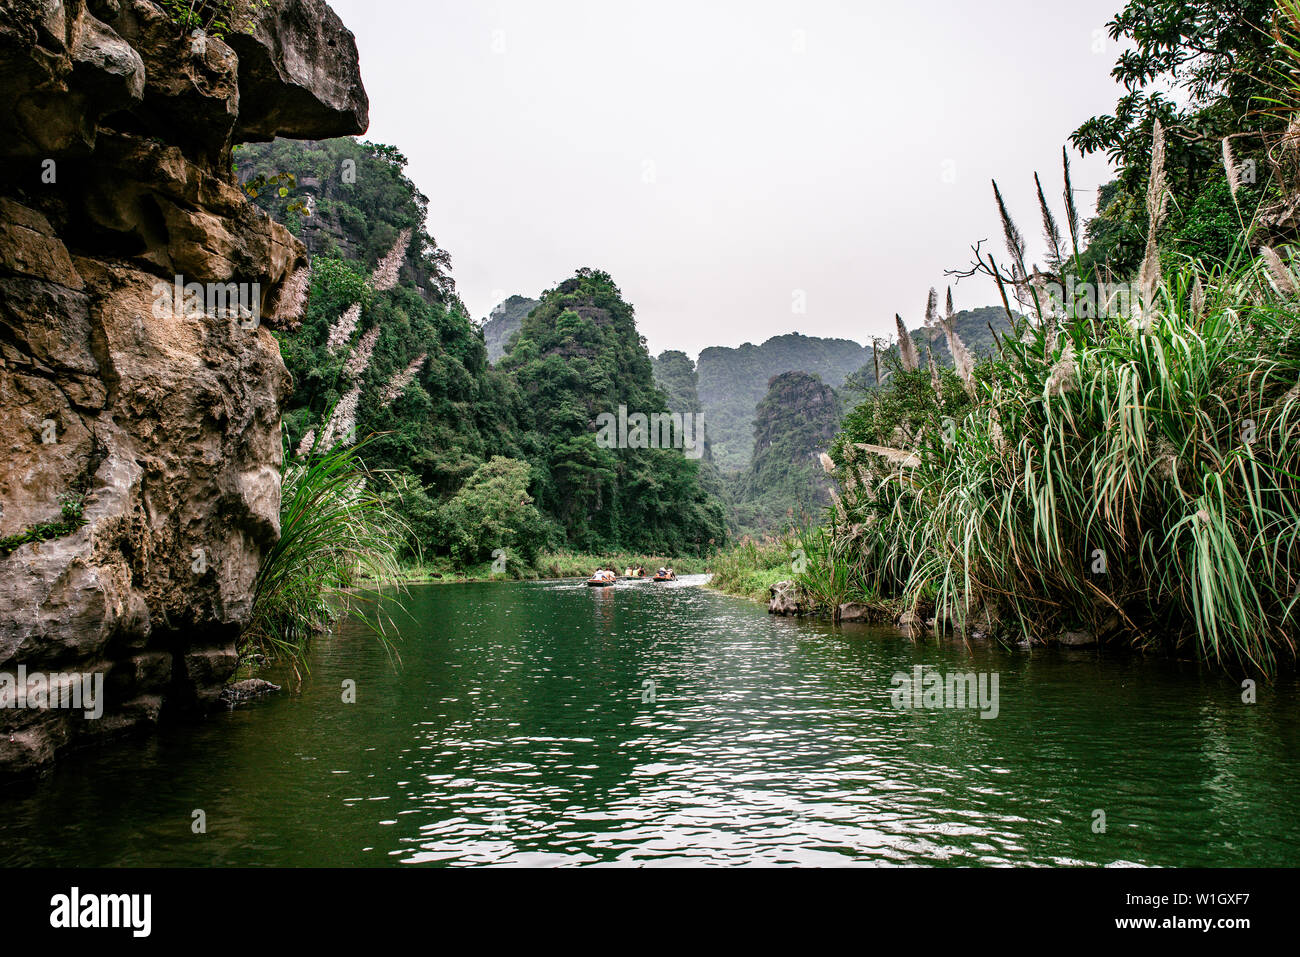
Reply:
x=601 y=582
x=665 y=578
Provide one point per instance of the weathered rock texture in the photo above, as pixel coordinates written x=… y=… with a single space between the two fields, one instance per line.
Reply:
x=115 y=150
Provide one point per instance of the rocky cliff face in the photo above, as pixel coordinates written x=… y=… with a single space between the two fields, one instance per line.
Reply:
x=140 y=428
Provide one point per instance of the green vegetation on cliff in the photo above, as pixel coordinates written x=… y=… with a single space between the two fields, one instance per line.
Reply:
x=786 y=484
x=732 y=381
x=578 y=355
x=387 y=350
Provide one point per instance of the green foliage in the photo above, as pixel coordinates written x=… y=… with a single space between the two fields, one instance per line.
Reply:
x=72 y=507
x=1136 y=479
x=215 y=18
x=494 y=514
x=674 y=373
x=906 y=408
x=1205 y=69
x=750 y=568
x=578 y=355
x=733 y=381
x=339 y=545
x=460 y=416
x=796 y=421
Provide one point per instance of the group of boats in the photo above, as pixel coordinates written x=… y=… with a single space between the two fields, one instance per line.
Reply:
x=605 y=577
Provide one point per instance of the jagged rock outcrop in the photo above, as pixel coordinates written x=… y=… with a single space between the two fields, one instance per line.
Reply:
x=503 y=323
x=141 y=430
x=785 y=600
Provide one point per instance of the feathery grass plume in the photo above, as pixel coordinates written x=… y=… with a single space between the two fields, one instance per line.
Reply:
x=906 y=347
x=1283 y=278
x=307 y=444
x=934 y=375
x=828 y=464
x=341 y=428
x=1091 y=468
x=359 y=361
x=1231 y=168
x=1051 y=232
x=341 y=332
x=1198 y=298
x=995 y=432
x=962 y=359
x=1015 y=240
x=1157 y=205
x=932 y=309
x=1071 y=210
x=1064 y=375
x=386 y=273
x=1023 y=292
x=292 y=300
x=875 y=359
x=398 y=383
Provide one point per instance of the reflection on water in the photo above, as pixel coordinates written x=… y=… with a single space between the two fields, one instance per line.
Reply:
x=552 y=723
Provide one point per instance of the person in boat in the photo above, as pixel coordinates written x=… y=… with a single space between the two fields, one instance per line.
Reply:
x=672 y=574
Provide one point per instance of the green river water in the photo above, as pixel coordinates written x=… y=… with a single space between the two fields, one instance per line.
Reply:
x=554 y=724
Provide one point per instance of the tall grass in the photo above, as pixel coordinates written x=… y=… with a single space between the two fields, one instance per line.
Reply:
x=1137 y=474
x=339 y=546
x=751 y=568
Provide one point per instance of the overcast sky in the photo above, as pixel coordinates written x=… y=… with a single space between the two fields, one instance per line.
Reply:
x=731 y=162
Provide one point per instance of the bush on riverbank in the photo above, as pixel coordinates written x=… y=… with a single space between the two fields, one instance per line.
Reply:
x=751 y=568
x=1135 y=474
x=339 y=543
x=546 y=565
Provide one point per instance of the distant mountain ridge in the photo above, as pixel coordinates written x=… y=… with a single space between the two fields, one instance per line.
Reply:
x=728 y=382
x=732 y=381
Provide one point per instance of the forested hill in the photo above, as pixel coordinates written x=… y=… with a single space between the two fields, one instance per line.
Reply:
x=476 y=458
x=732 y=381
x=796 y=419
x=578 y=357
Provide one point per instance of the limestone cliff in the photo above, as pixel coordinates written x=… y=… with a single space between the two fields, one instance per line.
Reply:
x=139 y=481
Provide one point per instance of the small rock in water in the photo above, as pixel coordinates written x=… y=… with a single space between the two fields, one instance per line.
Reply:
x=855 y=611
x=785 y=599
x=246 y=690
x=1076 y=639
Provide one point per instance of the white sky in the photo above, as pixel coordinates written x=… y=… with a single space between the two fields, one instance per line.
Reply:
x=717 y=158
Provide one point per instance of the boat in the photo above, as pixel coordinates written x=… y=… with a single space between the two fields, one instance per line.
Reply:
x=601 y=582
x=664 y=578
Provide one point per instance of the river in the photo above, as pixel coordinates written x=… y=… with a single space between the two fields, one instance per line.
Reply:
x=553 y=724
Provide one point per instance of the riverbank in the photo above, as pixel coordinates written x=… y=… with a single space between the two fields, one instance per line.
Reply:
x=547 y=566
x=749 y=570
